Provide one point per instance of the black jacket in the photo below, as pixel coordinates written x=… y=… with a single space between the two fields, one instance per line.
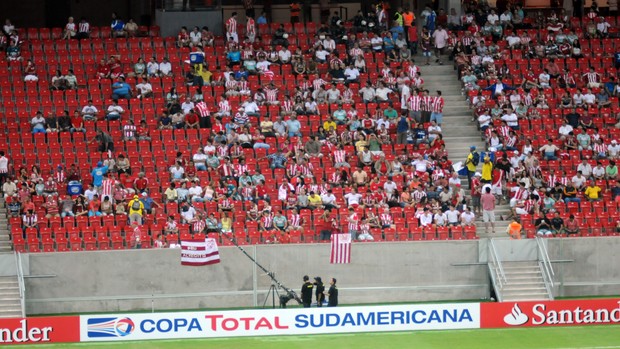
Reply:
x=333 y=296
x=306 y=292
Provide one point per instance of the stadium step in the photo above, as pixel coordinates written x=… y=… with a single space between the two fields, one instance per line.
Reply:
x=524 y=281
x=458 y=130
x=10 y=302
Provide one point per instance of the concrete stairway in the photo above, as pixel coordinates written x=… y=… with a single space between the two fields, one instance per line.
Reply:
x=459 y=132
x=524 y=281
x=10 y=303
x=5 y=235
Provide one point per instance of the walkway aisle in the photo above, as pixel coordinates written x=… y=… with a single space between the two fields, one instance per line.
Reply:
x=459 y=132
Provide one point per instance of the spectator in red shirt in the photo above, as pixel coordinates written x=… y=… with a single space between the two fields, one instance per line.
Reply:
x=191 y=120
x=141 y=183
x=103 y=70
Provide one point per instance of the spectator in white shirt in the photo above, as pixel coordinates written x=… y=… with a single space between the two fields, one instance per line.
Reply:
x=544 y=79
x=187 y=106
x=333 y=94
x=453 y=215
x=262 y=65
x=614 y=149
x=114 y=111
x=484 y=120
x=89 y=112
x=352 y=73
x=585 y=168
x=589 y=98
x=145 y=88
x=250 y=107
x=511 y=119
x=579 y=180
x=382 y=92
x=152 y=67
x=321 y=55
x=368 y=93
x=165 y=68
x=426 y=219
x=468 y=218
x=492 y=17
x=353 y=198
x=565 y=129
x=195 y=37
x=284 y=55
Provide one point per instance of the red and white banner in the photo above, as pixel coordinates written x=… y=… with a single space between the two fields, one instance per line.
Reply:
x=550 y=313
x=341 y=249
x=40 y=330
x=197 y=252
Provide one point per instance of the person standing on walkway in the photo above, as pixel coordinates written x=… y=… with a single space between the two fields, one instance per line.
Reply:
x=440 y=38
x=402 y=129
x=332 y=294
x=471 y=163
x=488 y=209
x=320 y=291
x=306 y=292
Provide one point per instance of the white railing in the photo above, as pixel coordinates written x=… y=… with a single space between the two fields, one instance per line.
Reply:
x=497 y=270
x=20 y=280
x=545 y=266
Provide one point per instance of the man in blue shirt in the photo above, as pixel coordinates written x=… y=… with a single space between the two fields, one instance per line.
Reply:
x=278 y=160
x=148 y=203
x=121 y=89
x=617 y=59
x=293 y=127
x=118 y=26
x=610 y=86
x=234 y=57
x=98 y=173
x=262 y=19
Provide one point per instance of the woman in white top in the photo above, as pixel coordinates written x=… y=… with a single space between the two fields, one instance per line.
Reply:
x=70 y=29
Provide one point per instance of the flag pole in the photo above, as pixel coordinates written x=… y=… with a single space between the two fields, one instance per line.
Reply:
x=290 y=294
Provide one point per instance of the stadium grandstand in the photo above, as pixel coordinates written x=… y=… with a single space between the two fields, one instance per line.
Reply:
x=116 y=137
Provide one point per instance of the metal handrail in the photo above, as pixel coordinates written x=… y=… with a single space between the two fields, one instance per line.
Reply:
x=20 y=282
x=545 y=261
x=495 y=256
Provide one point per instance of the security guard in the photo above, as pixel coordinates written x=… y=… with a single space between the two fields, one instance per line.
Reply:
x=332 y=294
x=319 y=292
x=306 y=292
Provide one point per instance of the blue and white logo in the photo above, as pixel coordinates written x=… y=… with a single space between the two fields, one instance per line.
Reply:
x=109 y=327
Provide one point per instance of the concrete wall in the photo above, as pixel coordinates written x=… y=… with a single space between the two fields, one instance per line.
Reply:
x=379 y=272
x=589 y=266
x=170 y=22
x=135 y=280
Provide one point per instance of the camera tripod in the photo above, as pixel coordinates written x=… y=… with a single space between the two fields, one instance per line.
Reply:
x=273 y=291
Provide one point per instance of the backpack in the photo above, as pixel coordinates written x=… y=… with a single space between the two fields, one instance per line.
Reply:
x=136 y=205
x=476 y=158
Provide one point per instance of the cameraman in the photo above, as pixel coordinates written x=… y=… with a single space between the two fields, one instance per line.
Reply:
x=332 y=294
x=306 y=292
x=319 y=292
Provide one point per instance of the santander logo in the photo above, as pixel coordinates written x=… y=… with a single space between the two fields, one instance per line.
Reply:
x=516 y=316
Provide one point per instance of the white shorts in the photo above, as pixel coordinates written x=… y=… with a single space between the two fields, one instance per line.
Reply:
x=488 y=216
x=520 y=211
x=234 y=36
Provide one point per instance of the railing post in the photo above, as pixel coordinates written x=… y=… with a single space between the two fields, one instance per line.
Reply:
x=20 y=282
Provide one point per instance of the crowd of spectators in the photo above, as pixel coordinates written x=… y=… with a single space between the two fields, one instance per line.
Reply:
x=561 y=108
x=355 y=144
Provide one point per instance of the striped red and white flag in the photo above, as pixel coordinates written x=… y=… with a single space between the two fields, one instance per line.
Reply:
x=197 y=252
x=341 y=249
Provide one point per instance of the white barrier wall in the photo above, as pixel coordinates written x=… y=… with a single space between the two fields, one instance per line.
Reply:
x=154 y=279
x=379 y=273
